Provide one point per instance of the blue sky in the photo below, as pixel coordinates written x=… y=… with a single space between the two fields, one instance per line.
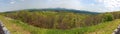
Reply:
x=89 y=5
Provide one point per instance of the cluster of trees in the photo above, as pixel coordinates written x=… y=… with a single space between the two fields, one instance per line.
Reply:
x=60 y=20
x=96 y=19
x=49 y=19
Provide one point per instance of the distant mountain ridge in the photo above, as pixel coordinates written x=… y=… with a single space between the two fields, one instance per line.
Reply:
x=59 y=10
x=65 y=10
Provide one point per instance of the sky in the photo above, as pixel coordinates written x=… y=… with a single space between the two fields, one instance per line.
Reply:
x=89 y=5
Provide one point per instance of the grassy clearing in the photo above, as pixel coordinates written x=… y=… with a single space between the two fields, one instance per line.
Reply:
x=18 y=27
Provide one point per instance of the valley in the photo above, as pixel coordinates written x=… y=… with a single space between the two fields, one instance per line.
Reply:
x=59 y=22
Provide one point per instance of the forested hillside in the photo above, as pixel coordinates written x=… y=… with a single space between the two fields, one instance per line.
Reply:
x=18 y=27
x=59 y=19
x=49 y=19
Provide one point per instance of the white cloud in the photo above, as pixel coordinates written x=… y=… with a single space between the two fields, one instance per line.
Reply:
x=12 y=2
x=75 y=4
x=71 y=4
x=92 y=4
x=22 y=0
x=98 y=6
x=111 y=4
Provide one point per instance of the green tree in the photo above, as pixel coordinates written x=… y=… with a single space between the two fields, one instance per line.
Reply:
x=108 y=17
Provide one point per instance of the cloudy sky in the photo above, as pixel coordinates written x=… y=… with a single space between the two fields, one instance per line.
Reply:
x=90 y=5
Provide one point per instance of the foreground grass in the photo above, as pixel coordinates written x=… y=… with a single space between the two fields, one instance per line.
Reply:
x=18 y=27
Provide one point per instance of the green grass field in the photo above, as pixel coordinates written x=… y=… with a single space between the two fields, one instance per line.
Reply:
x=18 y=27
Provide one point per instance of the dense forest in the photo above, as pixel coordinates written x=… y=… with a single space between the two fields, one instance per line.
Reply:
x=59 y=19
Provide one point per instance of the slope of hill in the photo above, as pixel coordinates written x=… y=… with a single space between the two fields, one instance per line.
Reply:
x=52 y=19
x=63 y=21
x=49 y=20
x=18 y=27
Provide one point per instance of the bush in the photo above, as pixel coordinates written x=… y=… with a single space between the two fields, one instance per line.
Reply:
x=107 y=17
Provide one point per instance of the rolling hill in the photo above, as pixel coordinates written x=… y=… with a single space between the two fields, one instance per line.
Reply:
x=18 y=27
x=60 y=21
x=51 y=18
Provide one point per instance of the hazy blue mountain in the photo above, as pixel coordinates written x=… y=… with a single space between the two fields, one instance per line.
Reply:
x=59 y=10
